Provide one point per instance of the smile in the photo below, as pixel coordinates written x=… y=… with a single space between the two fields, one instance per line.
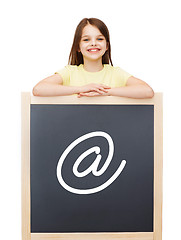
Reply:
x=93 y=50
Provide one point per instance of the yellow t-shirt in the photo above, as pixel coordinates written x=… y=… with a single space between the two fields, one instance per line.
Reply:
x=74 y=75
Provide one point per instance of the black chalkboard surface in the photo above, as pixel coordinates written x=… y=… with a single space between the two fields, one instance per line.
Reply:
x=59 y=135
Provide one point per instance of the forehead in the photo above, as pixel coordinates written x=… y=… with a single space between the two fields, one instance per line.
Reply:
x=90 y=30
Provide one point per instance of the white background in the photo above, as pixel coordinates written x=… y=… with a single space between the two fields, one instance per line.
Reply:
x=36 y=37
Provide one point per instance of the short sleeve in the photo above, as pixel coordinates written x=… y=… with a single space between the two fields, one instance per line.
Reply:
x=121 y=77
x=65 y=74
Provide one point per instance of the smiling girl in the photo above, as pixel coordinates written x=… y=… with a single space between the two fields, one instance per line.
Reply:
x=90 y=71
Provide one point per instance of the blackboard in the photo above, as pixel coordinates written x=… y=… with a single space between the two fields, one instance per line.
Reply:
x=126 y=205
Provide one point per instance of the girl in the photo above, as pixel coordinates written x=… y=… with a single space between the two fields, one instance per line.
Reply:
x=90 y=71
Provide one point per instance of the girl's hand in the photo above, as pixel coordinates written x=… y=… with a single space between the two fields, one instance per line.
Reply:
x=93 y=87
x=92 y=94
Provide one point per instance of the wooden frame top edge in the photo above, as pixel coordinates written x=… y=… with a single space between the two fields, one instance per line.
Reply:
x=73 y=99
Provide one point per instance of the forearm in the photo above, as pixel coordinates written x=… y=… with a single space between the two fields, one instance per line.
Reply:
x=48 y=89
x=133 y=91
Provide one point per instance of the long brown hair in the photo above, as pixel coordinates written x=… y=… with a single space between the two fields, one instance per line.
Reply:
x=76 y=57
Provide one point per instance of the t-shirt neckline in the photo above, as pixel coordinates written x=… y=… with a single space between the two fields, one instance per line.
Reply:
x=82 y=67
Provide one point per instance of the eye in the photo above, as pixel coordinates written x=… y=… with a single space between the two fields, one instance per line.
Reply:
x=86 y=39
x=100 y=39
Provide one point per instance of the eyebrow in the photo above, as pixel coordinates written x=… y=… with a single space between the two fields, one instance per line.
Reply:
x=96 y=36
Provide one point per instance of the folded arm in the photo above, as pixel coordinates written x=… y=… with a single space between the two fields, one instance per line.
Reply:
x=135 y=88
x=53 y=86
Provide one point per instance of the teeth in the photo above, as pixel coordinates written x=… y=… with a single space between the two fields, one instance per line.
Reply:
x=94 y=50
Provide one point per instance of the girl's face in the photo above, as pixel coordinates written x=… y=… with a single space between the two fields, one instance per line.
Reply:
x=93 y=44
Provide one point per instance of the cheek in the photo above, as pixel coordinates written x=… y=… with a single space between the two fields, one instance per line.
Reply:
x=104 y=45
x=82 y=46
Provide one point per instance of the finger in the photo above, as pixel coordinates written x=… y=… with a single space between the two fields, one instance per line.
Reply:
x=98 y=90
x=103 y=90
x=95 y=94
x=91 y=94
x=105 y=86
x=83 y=94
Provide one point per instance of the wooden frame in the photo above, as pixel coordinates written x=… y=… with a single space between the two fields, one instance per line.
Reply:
x=27 y=100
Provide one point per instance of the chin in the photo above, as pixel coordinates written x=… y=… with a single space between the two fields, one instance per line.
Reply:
x=94 y=58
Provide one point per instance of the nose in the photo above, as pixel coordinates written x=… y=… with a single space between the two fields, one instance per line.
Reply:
x=93 y=42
